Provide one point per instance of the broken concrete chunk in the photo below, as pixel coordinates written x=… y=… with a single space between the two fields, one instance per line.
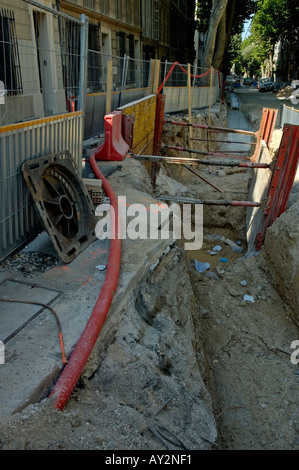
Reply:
x=101 y=267
x=213 y=253
x=212 y=275
x=201 y=267
x=235 y=248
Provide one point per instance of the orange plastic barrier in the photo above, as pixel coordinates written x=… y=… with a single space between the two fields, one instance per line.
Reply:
x=114 y=147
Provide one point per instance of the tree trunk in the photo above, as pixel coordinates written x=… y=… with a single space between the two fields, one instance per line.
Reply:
x=219 y=8
x=231 y=6
x=221 y=43
x=224 y=35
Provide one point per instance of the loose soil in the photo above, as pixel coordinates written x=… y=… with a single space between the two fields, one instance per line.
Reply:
x=248 y=370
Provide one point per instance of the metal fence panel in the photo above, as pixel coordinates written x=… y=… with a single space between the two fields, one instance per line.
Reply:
x=96 y=108
x=289 y=116
x=54 y=95
x=18 y=143
x=42 y=81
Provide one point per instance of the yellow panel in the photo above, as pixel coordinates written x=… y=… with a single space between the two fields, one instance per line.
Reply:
x=144 y=112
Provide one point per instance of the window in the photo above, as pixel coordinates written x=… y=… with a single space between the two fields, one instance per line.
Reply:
x=119 y=11
x=156 y=20
x=105 y=7
x=70 y=51
x=129 y=12
x=94 y=65
x=121 y=44
x=136 y=13
x=121 y=51
x=10 y=70
x=88 y=4
x=131 y=41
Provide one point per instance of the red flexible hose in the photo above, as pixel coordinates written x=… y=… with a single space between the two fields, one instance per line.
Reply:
x=71 y=374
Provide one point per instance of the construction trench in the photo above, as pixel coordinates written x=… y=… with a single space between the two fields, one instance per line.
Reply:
x=193 y=350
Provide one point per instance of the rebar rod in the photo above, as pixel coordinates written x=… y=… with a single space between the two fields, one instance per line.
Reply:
x=203 y=152
x=209 y=202
x=212 y=128
x=190 y=161
x=223 y=141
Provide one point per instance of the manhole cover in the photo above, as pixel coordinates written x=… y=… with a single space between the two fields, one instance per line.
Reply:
x=63 y=203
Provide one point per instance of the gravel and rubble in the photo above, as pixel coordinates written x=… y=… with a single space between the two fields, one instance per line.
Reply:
x=28 y=264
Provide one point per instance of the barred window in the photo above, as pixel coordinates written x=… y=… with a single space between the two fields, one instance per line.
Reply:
x=94 y=64
x=156 y=20
x=121 y=44
x=70 y=51
x=132 y=56
x=10 y=69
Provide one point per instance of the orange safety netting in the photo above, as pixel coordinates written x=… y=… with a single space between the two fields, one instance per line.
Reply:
x=185 y=71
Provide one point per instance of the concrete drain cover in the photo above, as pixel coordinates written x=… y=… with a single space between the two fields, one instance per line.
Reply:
x=15 y=316
x=63 y=203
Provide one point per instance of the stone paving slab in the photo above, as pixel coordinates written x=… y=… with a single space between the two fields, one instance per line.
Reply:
x=33 y=359
x=15 y=316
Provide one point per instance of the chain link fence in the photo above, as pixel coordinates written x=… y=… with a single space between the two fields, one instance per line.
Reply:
x=56 y=86
x=40 y=63
x=40 y=74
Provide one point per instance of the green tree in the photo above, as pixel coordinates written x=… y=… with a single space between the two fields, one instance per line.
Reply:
x=250 y=58
x=234 y=55
x=276 y=21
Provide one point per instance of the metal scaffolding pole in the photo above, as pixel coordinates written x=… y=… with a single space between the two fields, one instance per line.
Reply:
x=220 y=202
x=190 y=161
x=212 y=128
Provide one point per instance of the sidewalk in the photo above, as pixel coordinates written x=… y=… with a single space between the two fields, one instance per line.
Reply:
x=32 y=351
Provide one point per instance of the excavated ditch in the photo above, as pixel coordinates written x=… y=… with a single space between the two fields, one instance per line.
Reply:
x=191 y=365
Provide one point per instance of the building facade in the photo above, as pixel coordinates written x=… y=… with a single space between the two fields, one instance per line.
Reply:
x=168 y=28
x=141 y=29
x=40 y=53
x=182 y=29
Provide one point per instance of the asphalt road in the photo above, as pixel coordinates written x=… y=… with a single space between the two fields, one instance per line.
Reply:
x=250 y=96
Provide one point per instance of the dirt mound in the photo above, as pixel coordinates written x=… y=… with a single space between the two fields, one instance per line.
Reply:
x=281 y=251
x=147 y=391
x=285 y=93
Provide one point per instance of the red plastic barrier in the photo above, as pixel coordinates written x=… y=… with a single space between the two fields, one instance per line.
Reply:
x=114 y=147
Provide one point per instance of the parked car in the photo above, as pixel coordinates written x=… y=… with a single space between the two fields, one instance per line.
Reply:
x=230 y=79
x=265 y=84
x=248 y=81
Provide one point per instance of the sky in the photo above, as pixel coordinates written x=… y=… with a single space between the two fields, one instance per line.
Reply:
x=246 y=29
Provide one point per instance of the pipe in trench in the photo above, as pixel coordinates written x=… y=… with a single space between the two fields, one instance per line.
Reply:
x=72 y=371
x=191 y=161
x=212 y=128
